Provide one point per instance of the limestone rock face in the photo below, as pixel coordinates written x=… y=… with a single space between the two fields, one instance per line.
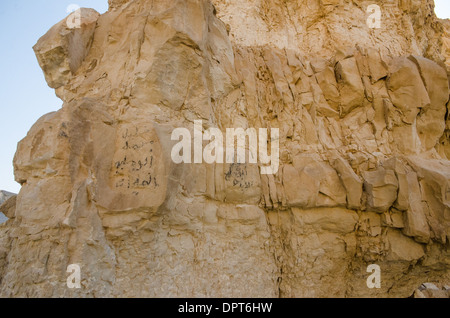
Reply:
x=5 y=195
x=7 y=205
x=363 y=174
x=62 y=50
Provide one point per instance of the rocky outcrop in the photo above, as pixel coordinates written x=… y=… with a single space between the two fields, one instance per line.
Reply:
x=7 y=204
x=7 y=208
x=5 y=195
x=363 y=175
x=430 y=290
x=63 y=49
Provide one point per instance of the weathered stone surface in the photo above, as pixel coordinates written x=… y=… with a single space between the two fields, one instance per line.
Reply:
x=430 y=126
x=446 y=42
x=408 y=99
x=363 y=175
x=350 y=85
x=434 y=185
x=312 y=184
x=393 y=219
x=381 y=187
x=5 y=195
x=301 y=188
x=403 y=199
x=63 y=49
x=352 y=183
x=8 y=208
x=321 y=28
x=402 y=248
x=337 y=220
x=378 y=68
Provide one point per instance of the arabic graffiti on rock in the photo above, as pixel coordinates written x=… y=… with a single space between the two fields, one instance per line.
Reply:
x=134 y=162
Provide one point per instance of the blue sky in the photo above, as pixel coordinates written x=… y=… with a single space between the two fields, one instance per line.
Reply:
x=25 y=96
x=442 y=8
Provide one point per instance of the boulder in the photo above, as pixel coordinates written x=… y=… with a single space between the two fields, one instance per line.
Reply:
x=381 y=187
x=350 y=85
x=351 y=181
x=62 y=50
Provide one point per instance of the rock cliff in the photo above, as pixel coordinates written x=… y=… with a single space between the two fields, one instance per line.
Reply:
x=364 y=153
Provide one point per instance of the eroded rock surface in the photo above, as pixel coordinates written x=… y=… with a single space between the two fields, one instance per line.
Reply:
x=364 y=170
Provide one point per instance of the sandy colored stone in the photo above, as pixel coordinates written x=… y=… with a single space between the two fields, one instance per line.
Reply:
x=396 y=165
x=411 y=98
x=352 y=183
x=62 y=50
x=364 y=143
x=381 y=187
x=403 y=248
x=416 y=224
x=351 y=86
x=8 y=207
x=378 y=68
x=430 y=126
